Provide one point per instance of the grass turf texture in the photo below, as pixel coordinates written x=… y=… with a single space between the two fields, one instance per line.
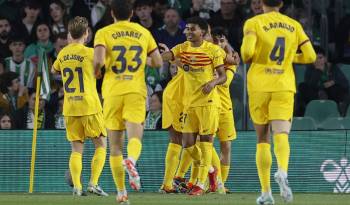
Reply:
x=172 y=199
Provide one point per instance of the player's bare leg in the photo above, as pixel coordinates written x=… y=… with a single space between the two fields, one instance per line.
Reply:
x=116 y=142
x=97 y=164
x=263 y=163
x=75 y=167
x=171 y=160
x=135 y=132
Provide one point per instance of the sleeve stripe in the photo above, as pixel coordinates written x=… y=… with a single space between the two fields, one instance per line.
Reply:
x=99 y=45
x=303 y=43
x=152 y=51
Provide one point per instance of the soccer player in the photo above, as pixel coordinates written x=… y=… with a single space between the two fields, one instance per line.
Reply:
x=122 y=48
x=199 y=60
x=226 y=131
x=271 y=43
x=82 y=107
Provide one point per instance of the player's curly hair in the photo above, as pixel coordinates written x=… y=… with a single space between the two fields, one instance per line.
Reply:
x=77 y=27
x=273 y=3
x=202 y=23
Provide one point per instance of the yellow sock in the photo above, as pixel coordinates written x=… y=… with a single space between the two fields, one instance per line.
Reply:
x=97 y=164
x=196 y=155
x=75 y=167
x=215 y=161
x=116 y=164
x=263 y=163
x=282 y=150
x=225 y=169
x=134 y=148
x=207 y=154
x=171 y=163
x=184 y=165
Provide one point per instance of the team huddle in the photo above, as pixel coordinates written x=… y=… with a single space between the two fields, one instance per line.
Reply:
x=196 y=103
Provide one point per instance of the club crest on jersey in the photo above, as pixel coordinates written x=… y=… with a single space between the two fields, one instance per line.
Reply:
x=186 y=67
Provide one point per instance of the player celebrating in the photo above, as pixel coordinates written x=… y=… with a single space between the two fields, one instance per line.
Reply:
x=271 y=41
x=123 y=48
x=82 y=108
x=199 y=58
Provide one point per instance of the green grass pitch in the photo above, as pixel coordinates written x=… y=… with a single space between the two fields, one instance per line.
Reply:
x=173 y=199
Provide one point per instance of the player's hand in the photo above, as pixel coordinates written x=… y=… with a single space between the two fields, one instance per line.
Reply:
x=98 y=74
x=163 y=48
x=208 y=87
x=236 y=57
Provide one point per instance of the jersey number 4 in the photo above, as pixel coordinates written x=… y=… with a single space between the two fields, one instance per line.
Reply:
x=69 y=73
x=123 y=61
x=277 y=53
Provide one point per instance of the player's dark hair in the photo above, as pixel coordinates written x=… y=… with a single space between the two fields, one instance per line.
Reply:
x=77 y=27
x=272 y=3
x=219 y=31
x=122 y=9
x=202 y=23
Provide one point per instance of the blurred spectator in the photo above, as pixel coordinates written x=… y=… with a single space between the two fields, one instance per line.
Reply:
x=60 y=41
x=323 y=80
x=59 y=18
x=82 y=8
x=25 y=117
x=11 y=9
x=105 y=20
x=18 y=64
x=228 y=17
x=2 y=67
x=5 y=29
x=153 y=119
x=43 y=35
x=159 y=9
x=25 y=25
x=59 y=118
x=98 y=11
x=198 y=8
x=170 y=34
x=143 y=13
x=6 y=121
x=255 y=8
x=13 y=95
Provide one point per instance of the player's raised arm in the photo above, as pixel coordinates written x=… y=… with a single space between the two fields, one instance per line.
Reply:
x=156 y=60
x=307 y=54
x=249 y=41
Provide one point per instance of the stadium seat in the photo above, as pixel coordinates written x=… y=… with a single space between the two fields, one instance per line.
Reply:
x=303 y=123
x=335 y=123
x=320 y=110
x=299 y=72
x=345 y=68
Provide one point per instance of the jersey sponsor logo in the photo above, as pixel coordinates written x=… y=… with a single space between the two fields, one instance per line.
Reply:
x=338 y=173
x=274 y=71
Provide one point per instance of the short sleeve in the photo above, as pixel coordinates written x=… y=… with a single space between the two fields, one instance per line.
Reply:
x=249 y=27
x=152 y=45
x=99 y=39
x=176 y=51
x=302 y=37
x=56 y=64
x=218 y=57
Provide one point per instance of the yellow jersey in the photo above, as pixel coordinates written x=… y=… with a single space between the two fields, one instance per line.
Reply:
x=127 y=46
x=278 y=39
x=198 y=66
x=174 y=90
x=75 y=62
x=224 y=91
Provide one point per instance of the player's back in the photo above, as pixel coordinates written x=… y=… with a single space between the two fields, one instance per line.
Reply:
x=278 y=38
x=75 y=62
x=127 y=46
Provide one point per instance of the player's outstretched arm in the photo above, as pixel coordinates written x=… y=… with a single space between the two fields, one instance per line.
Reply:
x=248 y=46
x=307 y=55
x=99 y=58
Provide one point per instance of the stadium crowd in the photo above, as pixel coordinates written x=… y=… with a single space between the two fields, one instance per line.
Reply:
x=29 y=25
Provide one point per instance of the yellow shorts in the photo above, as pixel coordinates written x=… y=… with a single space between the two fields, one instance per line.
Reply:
x=226 y=130
x=81 y=127
x=118 y=109
x=202 y=120
x=267 y=106
x=172 y=112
